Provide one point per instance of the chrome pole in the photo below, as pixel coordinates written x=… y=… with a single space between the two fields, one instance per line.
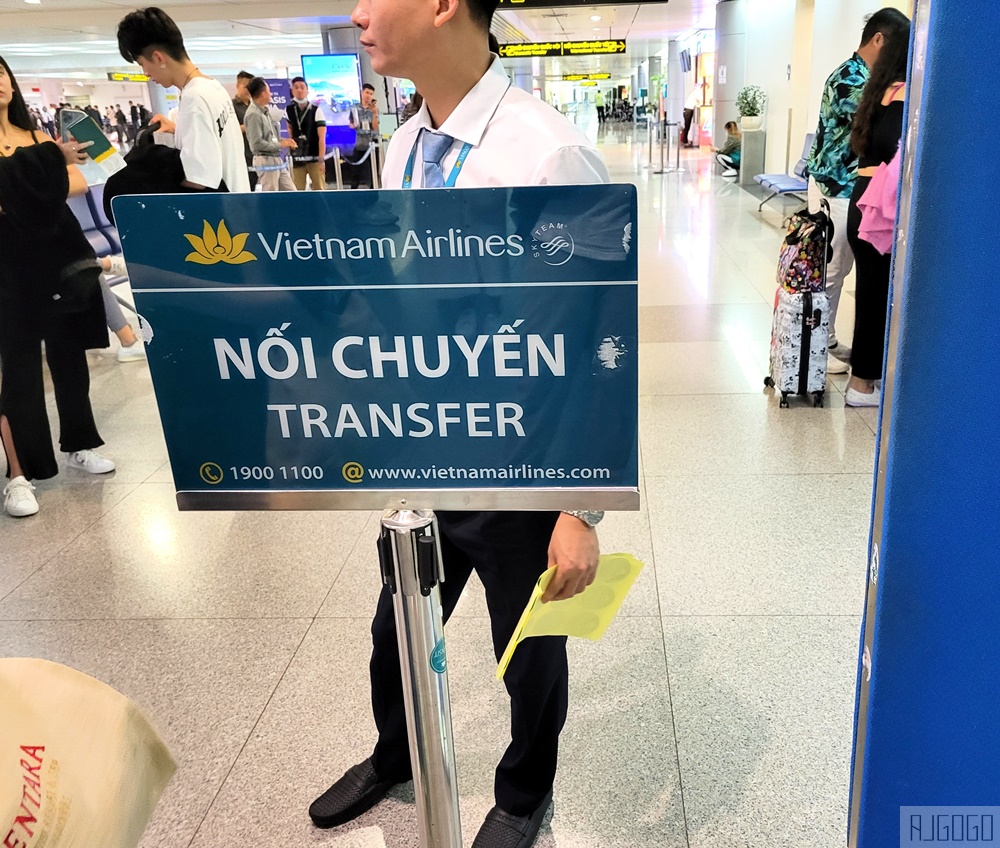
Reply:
x=677 y=167
x=337 y=169
x=374 y=160
x=412 y=568
x=664 y=143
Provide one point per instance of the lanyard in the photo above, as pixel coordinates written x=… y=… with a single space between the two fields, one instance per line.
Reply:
x=452 y=177
x=299 y=114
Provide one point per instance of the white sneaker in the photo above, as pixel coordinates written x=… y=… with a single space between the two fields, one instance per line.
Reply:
x=132 y=352
x=90 y=461
x=118 y=268
x=730 y=172
x=856 y=398
x=836 y=366
x=18 y=498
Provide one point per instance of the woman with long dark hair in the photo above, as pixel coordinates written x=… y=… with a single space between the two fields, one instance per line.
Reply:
x=878 y=127
x=49 y=292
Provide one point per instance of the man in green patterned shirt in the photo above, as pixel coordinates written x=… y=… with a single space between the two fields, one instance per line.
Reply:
x=833 y=165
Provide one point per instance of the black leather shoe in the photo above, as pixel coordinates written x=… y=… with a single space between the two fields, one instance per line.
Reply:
x=502 y=830
x=355 y=793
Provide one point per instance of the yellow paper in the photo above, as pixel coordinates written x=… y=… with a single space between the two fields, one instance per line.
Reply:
x=588 y=615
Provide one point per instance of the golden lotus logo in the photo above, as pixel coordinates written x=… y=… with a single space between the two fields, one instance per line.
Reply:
x=216 y=246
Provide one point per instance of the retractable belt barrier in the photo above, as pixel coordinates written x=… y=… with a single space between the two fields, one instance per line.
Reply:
x=469 y=349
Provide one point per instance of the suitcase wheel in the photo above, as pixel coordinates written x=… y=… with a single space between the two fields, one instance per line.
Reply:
x=783 y=404
x=818 y=399
x=768 y=382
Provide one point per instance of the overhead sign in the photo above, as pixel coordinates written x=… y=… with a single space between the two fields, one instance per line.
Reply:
x=588 y=84
x=124 y=76
x=457 y=348
x=582 y=77
x=549 y=49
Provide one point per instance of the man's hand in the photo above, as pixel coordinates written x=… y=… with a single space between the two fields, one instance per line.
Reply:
x=573 y=551
x=73 y=151
x=166 y=125
x=289 y=142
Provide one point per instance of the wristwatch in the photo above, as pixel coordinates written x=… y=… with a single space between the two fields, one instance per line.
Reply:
x=589 y=517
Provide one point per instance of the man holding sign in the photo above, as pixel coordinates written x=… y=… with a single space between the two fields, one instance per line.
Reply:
x=475 y=130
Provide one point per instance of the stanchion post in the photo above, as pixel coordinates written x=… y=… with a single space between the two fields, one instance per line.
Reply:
x=410 y=556
x=337 y=170
x=665 y=141
x=677 y=167
x=649 y=140
x=376 y=182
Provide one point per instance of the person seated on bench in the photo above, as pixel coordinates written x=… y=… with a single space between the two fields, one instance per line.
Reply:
x=729 y=155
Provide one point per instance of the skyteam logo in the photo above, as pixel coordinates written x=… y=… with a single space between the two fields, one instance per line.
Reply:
x=553 y=244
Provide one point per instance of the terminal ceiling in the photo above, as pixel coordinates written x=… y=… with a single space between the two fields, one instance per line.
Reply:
x=76 y=38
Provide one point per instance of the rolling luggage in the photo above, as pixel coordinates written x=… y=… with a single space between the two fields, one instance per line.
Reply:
x=799 y=337
x=801 y=328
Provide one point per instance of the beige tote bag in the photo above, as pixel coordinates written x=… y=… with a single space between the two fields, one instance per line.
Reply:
x=80 y=765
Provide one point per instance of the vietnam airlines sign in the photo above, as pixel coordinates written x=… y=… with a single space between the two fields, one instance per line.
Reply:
x=549 y=49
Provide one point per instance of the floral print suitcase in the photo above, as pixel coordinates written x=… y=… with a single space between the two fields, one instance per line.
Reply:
x=799 y=338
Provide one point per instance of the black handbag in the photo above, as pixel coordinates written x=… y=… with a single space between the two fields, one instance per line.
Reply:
x=77 y=285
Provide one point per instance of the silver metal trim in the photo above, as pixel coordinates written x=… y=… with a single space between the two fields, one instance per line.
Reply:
x=915 y=93
x=617 y=499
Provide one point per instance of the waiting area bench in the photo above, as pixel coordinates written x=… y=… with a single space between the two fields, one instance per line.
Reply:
x=796 y=183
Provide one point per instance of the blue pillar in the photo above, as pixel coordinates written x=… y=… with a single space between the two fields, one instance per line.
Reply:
x=928 y=718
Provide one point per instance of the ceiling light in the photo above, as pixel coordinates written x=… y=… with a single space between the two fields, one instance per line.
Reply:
x=597 y=29
x=34 y=2
x=595 y=17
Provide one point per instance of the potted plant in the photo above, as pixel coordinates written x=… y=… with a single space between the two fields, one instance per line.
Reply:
x=750 y=104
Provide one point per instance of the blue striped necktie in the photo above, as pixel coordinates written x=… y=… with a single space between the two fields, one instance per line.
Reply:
x=433 y=149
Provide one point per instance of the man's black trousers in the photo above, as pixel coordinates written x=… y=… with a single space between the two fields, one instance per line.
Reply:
x=509 y=551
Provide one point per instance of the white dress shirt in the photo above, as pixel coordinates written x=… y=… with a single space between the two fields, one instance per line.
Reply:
x=517 y=140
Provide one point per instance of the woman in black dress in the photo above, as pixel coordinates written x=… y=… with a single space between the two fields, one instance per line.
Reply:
x=49 y=292
x=878 y=127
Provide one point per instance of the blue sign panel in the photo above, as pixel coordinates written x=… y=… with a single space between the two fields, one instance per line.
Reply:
x=460 y=349
x=281 y=92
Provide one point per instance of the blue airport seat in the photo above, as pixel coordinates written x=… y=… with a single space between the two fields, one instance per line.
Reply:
x=795 y=183
x=89 y=211
x=95 y=197
x=81 y=208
